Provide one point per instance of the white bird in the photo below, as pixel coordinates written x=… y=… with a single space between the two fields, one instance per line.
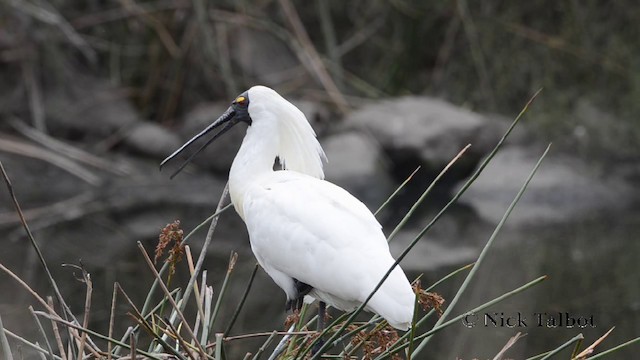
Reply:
x=311 y=236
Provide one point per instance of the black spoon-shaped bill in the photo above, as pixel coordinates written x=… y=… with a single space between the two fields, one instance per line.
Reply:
x=228 y=119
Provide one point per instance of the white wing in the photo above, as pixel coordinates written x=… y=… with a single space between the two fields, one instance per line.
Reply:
x=316 y=232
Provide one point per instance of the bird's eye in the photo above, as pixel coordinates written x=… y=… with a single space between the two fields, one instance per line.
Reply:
x=241 y=100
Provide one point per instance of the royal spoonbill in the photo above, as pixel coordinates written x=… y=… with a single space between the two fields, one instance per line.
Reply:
x=311 y=236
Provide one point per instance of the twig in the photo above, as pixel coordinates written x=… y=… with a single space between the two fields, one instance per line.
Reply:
x=200 y=9
x=199 y=295
x=476 y=52
x=396 y=191
x=562 y=347
x=25 y=149
x=360 y=37
x=6 y=349
x=112 y=319
x=262 y=334
x=242 y=300
x=219 y=346
x=216 y=310
x=171 y=300
x=212 y=218
x=142 y=321
x=66 y=309
x=44 y=334
x=180 y=340
x=264 y=346
x=205 y=246
x=282 y=344
x=508 y=345
x=560 y=44
x=614 y=349
x=330 y=40
x=415 y=206
x=86 y=278
x=69 y=150
x=27 y=343
x=428 y=227
x=456 y=320
x=130 y=329
x=52 y=17
x=208 y=301
x=178 y=70
x=376 y=328
x=111 y=15
x=448 y=276
x=589 y=350
x=132 y=342
x=312 y=58
x=224 y=55
x=263 y=25
x=445 y=50
x=35 y=95
x=52 y=210
x=200 y=302
x=56 y=332
x=29 y=289
x=487 y=246
x=156 y=25
x=73 y=333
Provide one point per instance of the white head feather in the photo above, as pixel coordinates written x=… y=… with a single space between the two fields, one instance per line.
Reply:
x=299 y=150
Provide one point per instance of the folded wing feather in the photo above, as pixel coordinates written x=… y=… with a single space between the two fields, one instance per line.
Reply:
x=318 y=233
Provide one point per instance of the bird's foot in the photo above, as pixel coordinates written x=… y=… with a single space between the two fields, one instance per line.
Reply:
x=294 y=304
x=327 y=317
x=292 y=319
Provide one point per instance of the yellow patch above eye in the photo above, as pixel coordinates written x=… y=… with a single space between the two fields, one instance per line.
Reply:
x=240 y=99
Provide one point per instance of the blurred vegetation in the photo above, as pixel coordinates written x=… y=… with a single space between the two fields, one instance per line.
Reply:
x=168 y=55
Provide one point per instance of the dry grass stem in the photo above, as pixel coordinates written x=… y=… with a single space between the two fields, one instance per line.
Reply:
x=589 y=350
x=112 y=314
x=508 y=345
x=70 y=151
x=28 y=288
x=171 y=300
x=163 y=34
x=56 y=332
x=199 y=295
x=25 y=149
x=312 y=57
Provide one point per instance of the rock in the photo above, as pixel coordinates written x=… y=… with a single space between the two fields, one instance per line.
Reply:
x=455 y=239
x=430 y=254
x=355 y=162
x=563 y=189
x=131 y=208
x=152 y=139
x=596 y=128
x=88 y=107
x=426 y=131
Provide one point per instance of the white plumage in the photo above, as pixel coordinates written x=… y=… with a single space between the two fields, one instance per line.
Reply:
x=302 y=227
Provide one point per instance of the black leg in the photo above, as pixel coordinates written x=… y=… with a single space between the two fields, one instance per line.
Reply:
x=302 y=289
x=322 y=311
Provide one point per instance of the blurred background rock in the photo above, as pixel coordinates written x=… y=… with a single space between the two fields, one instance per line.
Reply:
x=95 y=93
